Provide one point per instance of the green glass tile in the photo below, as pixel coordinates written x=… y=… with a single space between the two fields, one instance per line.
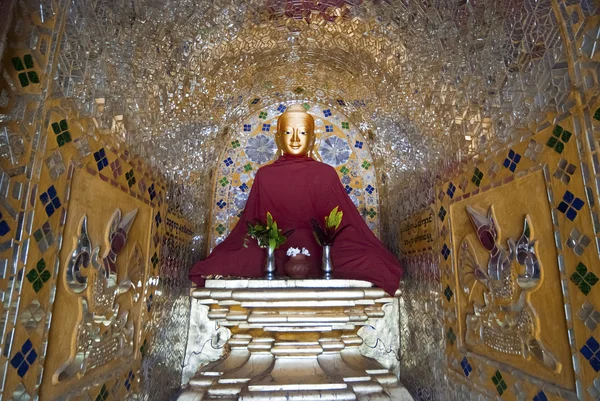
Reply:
x=33 y=77
x=306 y=106
x=503 y=384
x=247 y=167
x=576 y=278
x=262 y=115
x=591 y=279
x=60 y=140
x=500 y=390
x=63 y=125
x=581 y=269
x=56 y=128
x=23 y=80
x=345 y=125
x=41 y=265
x=28 y=59
x=38 y=235
x=37 y=285
x=559 y=147
x=584 y=287
x=495 y=380
x=552 y=141
x=566 y=135
x=45 y=276
x=557 y=131
x=597 y=114
x=32 y=275
x=131 y=182
x=66 y=136
x=18 y=64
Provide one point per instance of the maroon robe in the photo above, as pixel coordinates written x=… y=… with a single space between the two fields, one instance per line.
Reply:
x=294 y=189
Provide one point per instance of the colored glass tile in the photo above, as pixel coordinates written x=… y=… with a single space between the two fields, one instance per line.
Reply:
x=306 y=106
x=570 y=205
x=451 y=190
x=466 y=366
x=228 y=162
x=221 y=204
x=129 y=176
x=341 y=102
x=24 y=358
x=541 y=396
x=144 y=348
x=61 y=131
x=247 y=127
x=477 y=177
x=154 y=260
x=369 y=189
x=243 y=187
x=256 y=100
x=348 y=189
x=499 y=383
x=50 y=200
x=28 y=75
x=366 y=165
x=344 y=170
x=262 y=114
x=358 y=144
x=247 y=167
x=448 y=293
x=597 y=114
x=223 y=181
x=327 y=113
x=152 y=192
x=345 y=125
x=39 y=275
x=158 y=219
x=371 y=213
x=451 y=337
x=329 y=128
x=590 y=352
x=512 y=160
x=445 y=252
x=442 y=213
x=103 y=394
x=220 y=229
x=281 y=108
x=583 y=279
x=298 y=90
x=235 y=144
x=100 y=158
x=266 y=127
x=559 y=138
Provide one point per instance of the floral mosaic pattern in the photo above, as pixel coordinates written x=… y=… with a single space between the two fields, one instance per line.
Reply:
x=260 y=149
x=335 y=151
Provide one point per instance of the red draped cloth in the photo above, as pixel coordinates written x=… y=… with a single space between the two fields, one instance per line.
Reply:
x=294 y=189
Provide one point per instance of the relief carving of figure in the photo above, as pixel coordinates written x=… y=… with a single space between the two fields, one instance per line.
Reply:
x=502 y=317
x=104 y=331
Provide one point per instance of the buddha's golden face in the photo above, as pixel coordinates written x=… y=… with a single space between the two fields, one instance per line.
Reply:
x=295 y=133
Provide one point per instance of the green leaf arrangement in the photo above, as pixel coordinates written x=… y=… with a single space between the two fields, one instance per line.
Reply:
x=266 y=234
x=326 y=234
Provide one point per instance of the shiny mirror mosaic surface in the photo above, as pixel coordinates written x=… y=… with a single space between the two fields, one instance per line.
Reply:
x=115 y=117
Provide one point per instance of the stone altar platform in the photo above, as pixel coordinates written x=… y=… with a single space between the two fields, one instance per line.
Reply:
x=293 y=340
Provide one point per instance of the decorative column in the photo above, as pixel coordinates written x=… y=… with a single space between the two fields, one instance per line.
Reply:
x=293 y=340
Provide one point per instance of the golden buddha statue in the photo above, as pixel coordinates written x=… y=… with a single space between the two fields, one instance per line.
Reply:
x=294 y=189
x=295 y=132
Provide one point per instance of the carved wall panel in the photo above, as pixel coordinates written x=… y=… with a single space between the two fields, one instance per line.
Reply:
x=518 y=262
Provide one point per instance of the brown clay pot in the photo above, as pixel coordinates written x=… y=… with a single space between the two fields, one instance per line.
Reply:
x=297 y=267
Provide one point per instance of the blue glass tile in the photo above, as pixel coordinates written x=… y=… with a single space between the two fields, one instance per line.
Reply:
x=22 y=370
x=97 y=156
x=266 y=127
x=281 y=108
x=571 y=214
x=49 y=209
x=568 y=197
x=506 y=163
x=517 y=158
x=52 y=192
x=56 y=203
x=577 y=204
x=4 y=228
x=327 y=112
x=541 y=396
x=348 y=189
x=17 y=360
x=44 y=198
x=595 y=362
x=104 y=162
x=593 y=344
x=511 y=154
x=562 y=207
x=26 y=346
x=100 y=165
x=102 y=153
x=32 y=356
x=512 y=167
x=586 y=352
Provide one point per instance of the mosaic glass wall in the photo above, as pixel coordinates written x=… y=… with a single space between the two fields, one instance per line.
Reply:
x=338 y=143
x=108 y=105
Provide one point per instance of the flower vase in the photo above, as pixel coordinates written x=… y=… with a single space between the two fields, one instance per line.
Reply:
x=270 y=267
x=297 y=267
x=327 y=265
